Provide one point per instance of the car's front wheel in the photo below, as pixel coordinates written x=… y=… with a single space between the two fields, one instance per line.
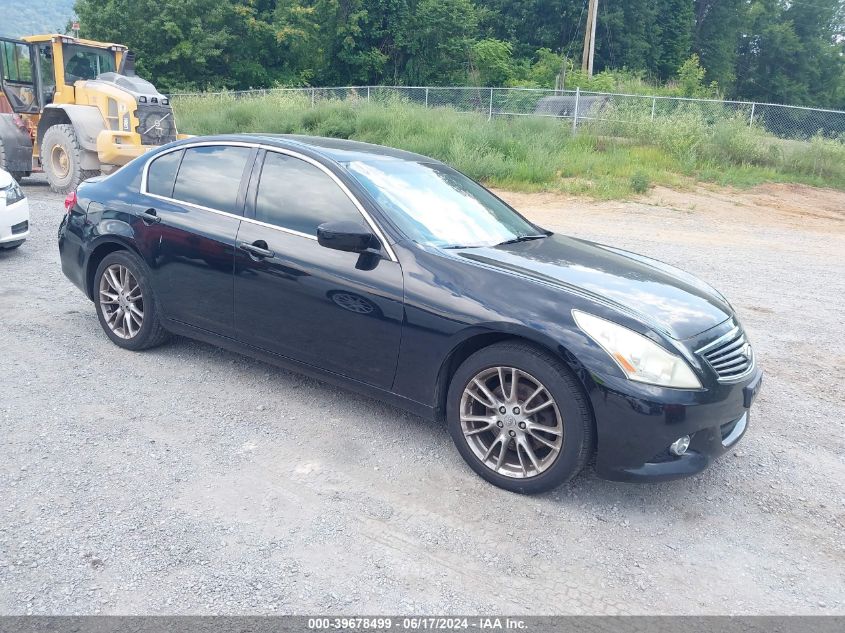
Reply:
x=519 y=418
x=126 y=305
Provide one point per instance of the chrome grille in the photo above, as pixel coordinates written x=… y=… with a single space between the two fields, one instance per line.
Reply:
x=730 y=356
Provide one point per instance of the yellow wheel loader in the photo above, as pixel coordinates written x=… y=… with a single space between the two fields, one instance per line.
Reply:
x=74 y=108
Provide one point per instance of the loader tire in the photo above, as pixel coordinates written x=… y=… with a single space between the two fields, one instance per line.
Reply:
x=61 y=157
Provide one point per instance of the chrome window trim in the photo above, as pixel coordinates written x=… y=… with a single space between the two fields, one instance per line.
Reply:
x=230 y=215
x=280 y=150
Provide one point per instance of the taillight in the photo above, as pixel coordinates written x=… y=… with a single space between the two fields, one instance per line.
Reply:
x=70 y=201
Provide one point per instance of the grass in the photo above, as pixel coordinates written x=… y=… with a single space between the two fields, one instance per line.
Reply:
x=606 y=160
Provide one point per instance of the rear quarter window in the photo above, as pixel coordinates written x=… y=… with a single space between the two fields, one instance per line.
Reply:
x=161 y=176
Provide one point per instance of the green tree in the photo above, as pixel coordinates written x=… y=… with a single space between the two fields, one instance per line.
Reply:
x=691 y=77
x=677 y=20
x=546 y=68
x=789 y=53
x=532 y=24
x=492 y=62
x=773 y=50
x=628 y=35
x=717 y=28
x=179 y=44
x=437 y=41
x=362 y=40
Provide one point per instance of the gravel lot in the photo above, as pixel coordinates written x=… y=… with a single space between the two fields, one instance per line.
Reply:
x=192 y=480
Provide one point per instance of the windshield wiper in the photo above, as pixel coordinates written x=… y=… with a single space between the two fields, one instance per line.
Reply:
x=522 y=238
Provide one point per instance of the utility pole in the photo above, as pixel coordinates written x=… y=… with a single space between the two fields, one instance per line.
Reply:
x=590 y=38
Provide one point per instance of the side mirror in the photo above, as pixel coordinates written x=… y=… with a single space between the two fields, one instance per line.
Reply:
x=351 y=237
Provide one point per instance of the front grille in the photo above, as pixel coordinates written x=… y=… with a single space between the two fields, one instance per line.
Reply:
x=20 y=227
x=157 y=126
x=730 y=356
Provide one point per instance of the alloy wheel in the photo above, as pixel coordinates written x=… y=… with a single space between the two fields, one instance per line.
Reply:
x=121 y=301
x=511 y=422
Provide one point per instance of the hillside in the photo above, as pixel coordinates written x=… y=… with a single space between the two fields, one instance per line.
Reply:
x=27 y=17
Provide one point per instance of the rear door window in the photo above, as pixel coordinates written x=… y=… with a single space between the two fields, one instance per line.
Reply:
x=210 y=176
x=162 y=174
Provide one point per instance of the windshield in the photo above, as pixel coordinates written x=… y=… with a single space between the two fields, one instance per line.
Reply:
x=438 y=206
x=86 y=62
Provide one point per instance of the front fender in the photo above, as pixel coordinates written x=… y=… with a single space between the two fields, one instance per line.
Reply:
x=87 y=122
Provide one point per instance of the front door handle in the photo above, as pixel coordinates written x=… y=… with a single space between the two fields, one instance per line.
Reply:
x=256 y=249
x=150 y=217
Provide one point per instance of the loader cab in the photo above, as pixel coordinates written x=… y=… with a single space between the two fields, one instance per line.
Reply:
x=65 y=60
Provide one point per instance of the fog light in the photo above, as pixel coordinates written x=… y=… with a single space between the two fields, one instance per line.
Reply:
x=679 y=446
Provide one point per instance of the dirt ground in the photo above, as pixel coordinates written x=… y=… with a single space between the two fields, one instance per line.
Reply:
x=190 y=480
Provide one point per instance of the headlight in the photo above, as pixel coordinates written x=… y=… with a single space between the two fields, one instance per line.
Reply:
x=14 y=193
x=639 y=357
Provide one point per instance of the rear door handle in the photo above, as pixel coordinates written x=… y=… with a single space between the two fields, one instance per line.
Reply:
x=256 y=249
x=150 y=216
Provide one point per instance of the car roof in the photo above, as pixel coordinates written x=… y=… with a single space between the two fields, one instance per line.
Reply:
x=336 y=149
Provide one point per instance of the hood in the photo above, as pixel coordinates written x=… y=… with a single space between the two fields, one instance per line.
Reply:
x=134 y=85
x=5 y=179
x=664 y=297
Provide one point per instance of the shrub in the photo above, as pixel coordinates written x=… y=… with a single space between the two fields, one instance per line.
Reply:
x=640 y=182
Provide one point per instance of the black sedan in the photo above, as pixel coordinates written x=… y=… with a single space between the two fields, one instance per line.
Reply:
x=395 y=275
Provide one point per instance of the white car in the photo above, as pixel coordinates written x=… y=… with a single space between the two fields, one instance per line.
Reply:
x=14 y=212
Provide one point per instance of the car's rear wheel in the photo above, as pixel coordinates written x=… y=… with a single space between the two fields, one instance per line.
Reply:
x=126 y=305
x=519 y=418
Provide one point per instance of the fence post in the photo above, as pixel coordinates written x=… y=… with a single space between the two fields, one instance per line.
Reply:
x=653 y=105
x=368 y=94
x=751 y=120
x=312 y=96
x=426 y=96
x=490 y=114
x=575 y=114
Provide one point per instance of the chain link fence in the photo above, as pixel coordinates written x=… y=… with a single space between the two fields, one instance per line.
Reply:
x=578 y=108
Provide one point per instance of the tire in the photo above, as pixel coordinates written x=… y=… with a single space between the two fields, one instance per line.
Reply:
x=8 y=246
x=109 y=305
x=61 y=157
x=561 y=408
x=17 y=175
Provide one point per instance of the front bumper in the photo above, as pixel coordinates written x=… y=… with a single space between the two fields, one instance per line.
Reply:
x=14 y=221
x=637 y=423
x=119 y=148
